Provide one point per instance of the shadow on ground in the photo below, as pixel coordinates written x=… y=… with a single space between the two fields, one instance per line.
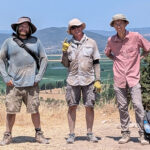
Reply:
x=83 y=138
x=133 y=139
x=24 y=139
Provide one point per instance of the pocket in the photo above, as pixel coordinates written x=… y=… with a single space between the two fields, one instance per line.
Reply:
x=132 y=51
x=116 y=88
x=138 y=86
x=87 y=51
x=10 y=89
x=93 y=92
x=68 y=94
x=71 y=55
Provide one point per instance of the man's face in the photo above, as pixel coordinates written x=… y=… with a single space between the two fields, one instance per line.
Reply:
x=23 y=29
x=120 y=25
x=76 y=31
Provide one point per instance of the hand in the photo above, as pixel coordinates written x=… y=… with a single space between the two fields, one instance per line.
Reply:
x=144 y=54
x=35 y=83
x=10 y=83
x=141 y=57
x=65 y=45
x=97 y=86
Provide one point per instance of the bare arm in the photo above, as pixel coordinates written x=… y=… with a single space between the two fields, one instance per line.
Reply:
x=111 y=56
x=97 y=69
x=144 y=54
x=65 y=61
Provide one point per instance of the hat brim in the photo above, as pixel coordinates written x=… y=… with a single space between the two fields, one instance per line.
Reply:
x=112 y=22
x=33 y=27
x=83 y=27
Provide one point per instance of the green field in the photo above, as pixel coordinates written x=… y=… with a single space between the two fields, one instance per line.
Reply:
x=53 y=57
x=56 y=72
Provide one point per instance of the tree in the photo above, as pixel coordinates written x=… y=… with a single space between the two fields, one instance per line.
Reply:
x=145 y=83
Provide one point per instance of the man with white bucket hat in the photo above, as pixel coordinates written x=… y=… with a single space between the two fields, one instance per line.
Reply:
x=81 y=57
x=124 y=49
x=21 y=53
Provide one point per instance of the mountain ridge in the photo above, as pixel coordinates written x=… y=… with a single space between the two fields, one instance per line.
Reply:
x=53 y=37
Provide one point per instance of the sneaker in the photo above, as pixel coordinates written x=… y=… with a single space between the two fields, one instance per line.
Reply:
x=40 y=138
x=71 y=138
x=125 y=137
x=92 y=138
x=6 y=139
x=143 y=140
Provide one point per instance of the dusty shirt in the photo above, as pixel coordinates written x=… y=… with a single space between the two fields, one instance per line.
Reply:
x=126 y=54
x=18 y=65
x=81 y=55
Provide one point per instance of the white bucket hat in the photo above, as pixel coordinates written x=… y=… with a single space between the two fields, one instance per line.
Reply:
x=118 y=17
x=75 y=22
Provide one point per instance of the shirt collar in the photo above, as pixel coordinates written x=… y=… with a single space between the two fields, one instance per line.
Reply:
x=117 y=39
x=84 y=38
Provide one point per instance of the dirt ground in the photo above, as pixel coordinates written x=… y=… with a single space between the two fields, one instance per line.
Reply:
x=55 y=126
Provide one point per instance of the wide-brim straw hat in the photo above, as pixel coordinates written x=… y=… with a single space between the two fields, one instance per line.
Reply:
x=118 y=17
x=75 y=22
x=22 y=20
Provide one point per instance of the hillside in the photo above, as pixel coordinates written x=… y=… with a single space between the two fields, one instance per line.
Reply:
x=144 y=31
x=53 y=37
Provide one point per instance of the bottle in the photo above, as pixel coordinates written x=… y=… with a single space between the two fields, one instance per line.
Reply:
x=146 y=127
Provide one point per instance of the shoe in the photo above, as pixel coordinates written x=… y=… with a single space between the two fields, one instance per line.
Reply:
x=125 y=137
x=6 y=139
x=92 y=138
x=40 y=138
x=143 y=140
x=71 y=138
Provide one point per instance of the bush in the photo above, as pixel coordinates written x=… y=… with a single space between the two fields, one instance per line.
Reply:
x=145 y=83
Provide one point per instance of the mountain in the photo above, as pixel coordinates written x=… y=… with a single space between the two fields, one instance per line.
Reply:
x=103 y=32
x=53 y=37
x=144 y=31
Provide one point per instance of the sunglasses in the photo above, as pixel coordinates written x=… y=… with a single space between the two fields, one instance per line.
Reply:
x=74 y=27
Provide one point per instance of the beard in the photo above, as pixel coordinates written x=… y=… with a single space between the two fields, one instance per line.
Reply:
x=24 y=33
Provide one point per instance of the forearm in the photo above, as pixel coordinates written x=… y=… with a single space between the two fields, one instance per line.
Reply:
x=65 y=61
x=144 y=54
x=97 y=71
x=42 y=69
x=111 y=56
x=3 y=72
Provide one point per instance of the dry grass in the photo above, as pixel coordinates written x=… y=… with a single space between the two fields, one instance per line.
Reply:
x=55 y=126
x=58 y=94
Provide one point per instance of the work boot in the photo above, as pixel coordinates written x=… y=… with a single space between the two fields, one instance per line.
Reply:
x=142 y=139
x=40 y=138
x=125 y=137
x=92 y=138
x=71 y=138
x=7 y=138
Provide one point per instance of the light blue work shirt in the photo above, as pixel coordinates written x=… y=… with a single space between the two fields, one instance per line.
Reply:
x=18 y=65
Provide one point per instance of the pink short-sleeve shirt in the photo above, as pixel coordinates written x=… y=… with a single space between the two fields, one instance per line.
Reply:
x=126 y=52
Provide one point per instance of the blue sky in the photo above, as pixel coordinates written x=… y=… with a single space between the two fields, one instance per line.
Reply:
x=56 y=13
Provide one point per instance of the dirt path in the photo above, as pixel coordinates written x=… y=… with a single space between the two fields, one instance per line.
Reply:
x=108 y=139
x=55 y=126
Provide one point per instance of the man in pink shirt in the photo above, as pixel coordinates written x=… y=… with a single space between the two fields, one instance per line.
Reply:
x=124 y=49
